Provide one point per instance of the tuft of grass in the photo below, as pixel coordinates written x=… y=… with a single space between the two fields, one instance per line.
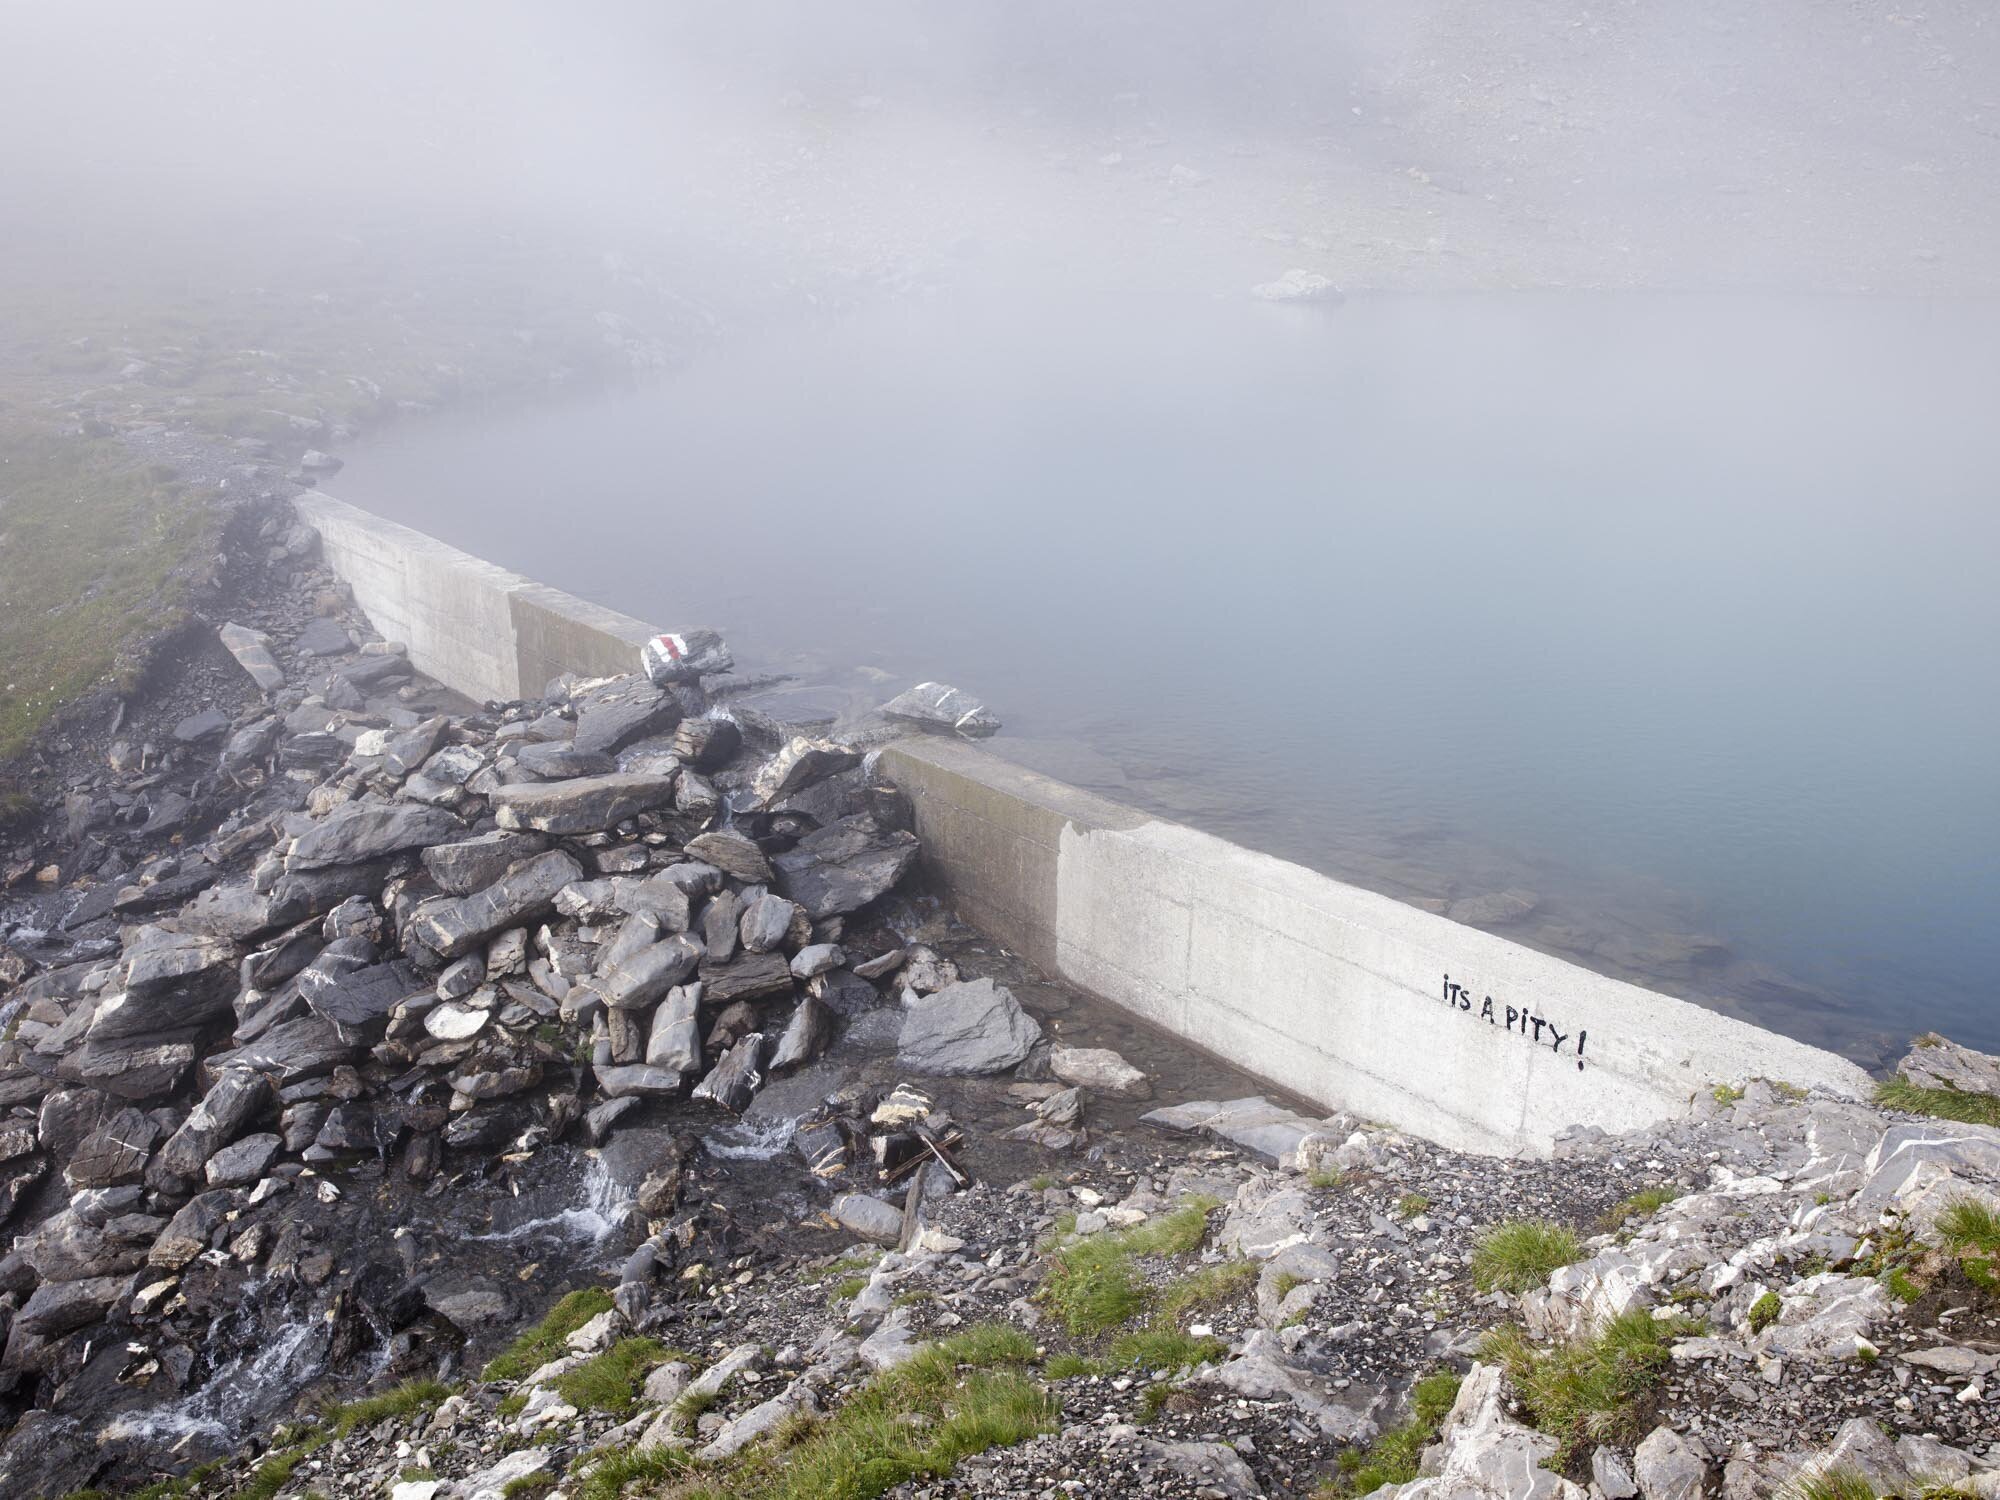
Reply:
x=1326 y=1178
x=163 y=1489
x=1834 y=1484
x=1207 y=1287
x=1942 y=1104
x=1394 y=1456
x=1519 y=1255
x=528 y=1487
x=1726 y=1094
x=617 y=1472
x=511 y=1405
x=1586 y=1391
x=1411 y=1204
x=1070 y=1367
x=1041 y=1182
x=404 y=1400
x=847 y=1289
x=1092 y=1283
x=1902 y=1286
x=1164 y=1349
x=544 y=1342
x=1967 y=1223
x=609 y=1382
x=1641 y=1205
x=956 y=1398
x=1764 y=1311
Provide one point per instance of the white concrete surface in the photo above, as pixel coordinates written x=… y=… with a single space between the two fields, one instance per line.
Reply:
x=478 y=629
x=1335 y=993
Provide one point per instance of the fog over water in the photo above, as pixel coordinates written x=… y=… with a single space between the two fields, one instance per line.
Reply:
x=1624 y=602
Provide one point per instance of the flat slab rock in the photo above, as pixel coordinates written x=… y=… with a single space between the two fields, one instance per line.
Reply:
x=968 y=1028
x=1255 y=1124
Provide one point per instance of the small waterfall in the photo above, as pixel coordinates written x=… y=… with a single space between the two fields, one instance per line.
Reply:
x=236 y=1396
x=741 y=1140
x=604 y=1207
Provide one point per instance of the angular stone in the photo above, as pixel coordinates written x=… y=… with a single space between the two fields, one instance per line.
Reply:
x=732 y=852
x=647 y=975
x=307 y=1047
x=138 y=1071
x=466 y=865
x=968 y=1028
x=640 y=1080
x=204 y=725
x=252 y=650
x=632 y=711
x=322 y=637
x=405 y=752
x=1667 y=1467
x=675 y=1041
x=870 y=1218
x=805 y=1036
x=349 y=992
x=452 y=927
x=706 y=744
x=244 y=1162
x=934 y=705
x=766 y=923
x=587 y=804
x=816 y=959
x=734 y=1081
x=803 y=762
x=1100 y=1070
x=232 y=1102
x=192 y=1230
x=721 y=921
x=560 y=762
x=252 y=744
x=363 y=831
x=116 y=1152
x=59 y=1307
x=746 y=978
x=844 y=866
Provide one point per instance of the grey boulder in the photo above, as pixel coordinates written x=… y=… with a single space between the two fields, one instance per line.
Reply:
x=972 y=1027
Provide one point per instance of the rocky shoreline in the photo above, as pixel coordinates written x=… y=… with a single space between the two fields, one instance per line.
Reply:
x=350 y=1025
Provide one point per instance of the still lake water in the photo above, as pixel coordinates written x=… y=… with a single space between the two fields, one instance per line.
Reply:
x=1678 y=616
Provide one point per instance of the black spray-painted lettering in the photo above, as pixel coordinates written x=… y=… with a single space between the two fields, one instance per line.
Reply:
x=1531 y=1025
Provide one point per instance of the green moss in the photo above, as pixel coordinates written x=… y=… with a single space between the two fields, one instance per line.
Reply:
x=1943 y=1104
x=545 y=1341
x=1518 y=1256
x=1587 y=1391
x=1902 y=1286
x=1764 y=1311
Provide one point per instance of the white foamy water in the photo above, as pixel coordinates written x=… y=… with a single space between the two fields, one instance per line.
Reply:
x=592 y=1221
x=235 y=1393
x=742 y=1140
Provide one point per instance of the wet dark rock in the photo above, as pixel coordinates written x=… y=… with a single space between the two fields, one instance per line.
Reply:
x=466 y=865
x=191 y=1230
x=351 y=992
x=114 y=1153
x=934 y=705
x=734 y=1081
x=969 y=1028
x=558 y=762
x=361 y=832
x=732 y=853
x=638 y=1080
x=844 y=992
x=234 y=911
x=802 y=763
x=407 y=751
x=243 y=1163
x=844 y=866
x=707 y=744
x=816 y=959
x=746 y=977
x=805 y=1036
x=136 y=1071
x=720 y=921
x=587 y=804
x=292 y=1050
x=251 y=745
x=312 y=752
x=231 y=1103
x=450 y=927
x=61 y=1307
x=631 y=710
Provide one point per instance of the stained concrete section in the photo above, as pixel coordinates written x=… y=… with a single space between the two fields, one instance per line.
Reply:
x=1346 y=997
x=478 y=629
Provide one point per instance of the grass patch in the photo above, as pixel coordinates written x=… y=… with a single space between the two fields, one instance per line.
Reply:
x=1393 y=1457
x=1518 y=1256
x=1943 y=1104
x=1326 y=1178
x=1641 y=1205
x=1726 y=1094
x=1902 y=1285
x=545 y=1341
x=610 y=1381
x=847 y=1289
x=1208 y=1287
x=404 y=1400
x=1093 y=1285
x=617 y=1472
x=959 y=1397
x=97 y=553
x=1834 y=1484
x=1164 y=1349
x=1070 y=1367
x=1411 y=1204
x=1587 y=1391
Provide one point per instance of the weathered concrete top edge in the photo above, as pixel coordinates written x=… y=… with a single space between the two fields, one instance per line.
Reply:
x=1084 y=809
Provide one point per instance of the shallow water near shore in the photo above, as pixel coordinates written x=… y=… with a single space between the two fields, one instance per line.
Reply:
x=1656 y=632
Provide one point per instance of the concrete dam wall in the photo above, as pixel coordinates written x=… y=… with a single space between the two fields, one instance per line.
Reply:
x=1340 y=995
